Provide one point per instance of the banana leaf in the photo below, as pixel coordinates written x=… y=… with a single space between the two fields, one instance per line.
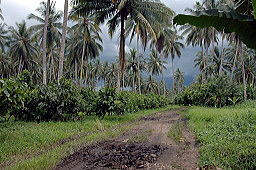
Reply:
x=242 y=25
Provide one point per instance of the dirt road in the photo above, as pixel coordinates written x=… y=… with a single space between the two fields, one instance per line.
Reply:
x=160 y=141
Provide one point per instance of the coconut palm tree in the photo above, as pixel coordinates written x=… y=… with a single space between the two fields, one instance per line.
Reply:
x=112 y=72
x=74 y=53
x=155 y=63
x=202 y=37
x=63 y=40
x=22 y=50
x=132 y=66
x=152 y=13
x=199 y=62
x=179 y=80
x=135 y=67
x=91 y=41
x=173 y=47
x=3 y=37
x=51 y=18
x=140 y=30
x=45 y=42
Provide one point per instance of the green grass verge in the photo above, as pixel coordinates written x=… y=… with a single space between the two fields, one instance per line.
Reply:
x=28 y=145
x=227 y=135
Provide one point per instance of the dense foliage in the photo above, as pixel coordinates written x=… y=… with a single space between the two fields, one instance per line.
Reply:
x=66 y=101
x=217 y=92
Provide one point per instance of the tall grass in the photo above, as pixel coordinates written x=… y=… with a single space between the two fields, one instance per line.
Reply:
x=227 y=136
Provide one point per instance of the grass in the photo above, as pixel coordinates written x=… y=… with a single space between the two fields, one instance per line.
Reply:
x=227 y=135
x=28 y=145
x=175 y=132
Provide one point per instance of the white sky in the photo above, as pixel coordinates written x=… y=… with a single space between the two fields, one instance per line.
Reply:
x=16 y=10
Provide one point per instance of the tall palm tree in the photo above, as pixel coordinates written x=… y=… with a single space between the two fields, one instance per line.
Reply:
x=91 y=41
x=22 y=50
x=52 y=34
x=135 y=67
x=202 y=37
x=173 y=47
x=199 y=62
x=179 y=80
x=63 y=40
x=140 y=30
x=45 y=41
x=163 y=40
x=155 y=63
x=74 y=53
x=150 y=12
x=3 y=37
x=132 y=66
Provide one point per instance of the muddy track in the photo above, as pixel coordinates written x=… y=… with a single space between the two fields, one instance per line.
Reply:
x=146 y=146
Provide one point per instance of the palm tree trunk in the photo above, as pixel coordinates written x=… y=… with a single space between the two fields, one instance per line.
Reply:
x=203 y=60
x=123 y=80
x=86 y=71
x=44 y=42
x=51 y=65
x=82 y=65
x=63 y=43
x=133 y=82
x=173 y=83
x=121 y=53
x=206 y=63
x=213 y=45
x=243 y=70
x=138 y=49
x=164 y=93
x=20 y=65
x=76 y=72
x=234 y=62
x=222 y=54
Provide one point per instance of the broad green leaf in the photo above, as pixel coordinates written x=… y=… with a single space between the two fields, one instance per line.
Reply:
x=229 y=22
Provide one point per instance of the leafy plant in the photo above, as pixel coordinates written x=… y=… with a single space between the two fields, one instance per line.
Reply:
x=12 y=96
x=228 y=21
x=215 y=93
x=106 y=102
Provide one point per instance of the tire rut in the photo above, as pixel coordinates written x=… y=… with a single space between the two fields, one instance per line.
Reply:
x=157 y=151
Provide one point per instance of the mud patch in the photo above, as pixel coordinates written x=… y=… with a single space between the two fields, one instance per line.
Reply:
x=113 y=155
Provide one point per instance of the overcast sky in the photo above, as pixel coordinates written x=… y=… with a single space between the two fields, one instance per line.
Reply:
x=18 y=10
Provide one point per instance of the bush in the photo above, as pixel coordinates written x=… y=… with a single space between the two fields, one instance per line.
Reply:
x=12 y=96
x=52 y=102
x=216 y=93
x=106 y=102
x=65 y=101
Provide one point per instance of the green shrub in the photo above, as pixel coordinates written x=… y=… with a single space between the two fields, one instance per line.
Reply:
x=12 y=96
x=216 y=93
x=89 y=98
x=52 y=102
x=65 y=101
x=106 y=102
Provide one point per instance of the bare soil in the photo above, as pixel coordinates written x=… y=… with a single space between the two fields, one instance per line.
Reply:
x=146 y=146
